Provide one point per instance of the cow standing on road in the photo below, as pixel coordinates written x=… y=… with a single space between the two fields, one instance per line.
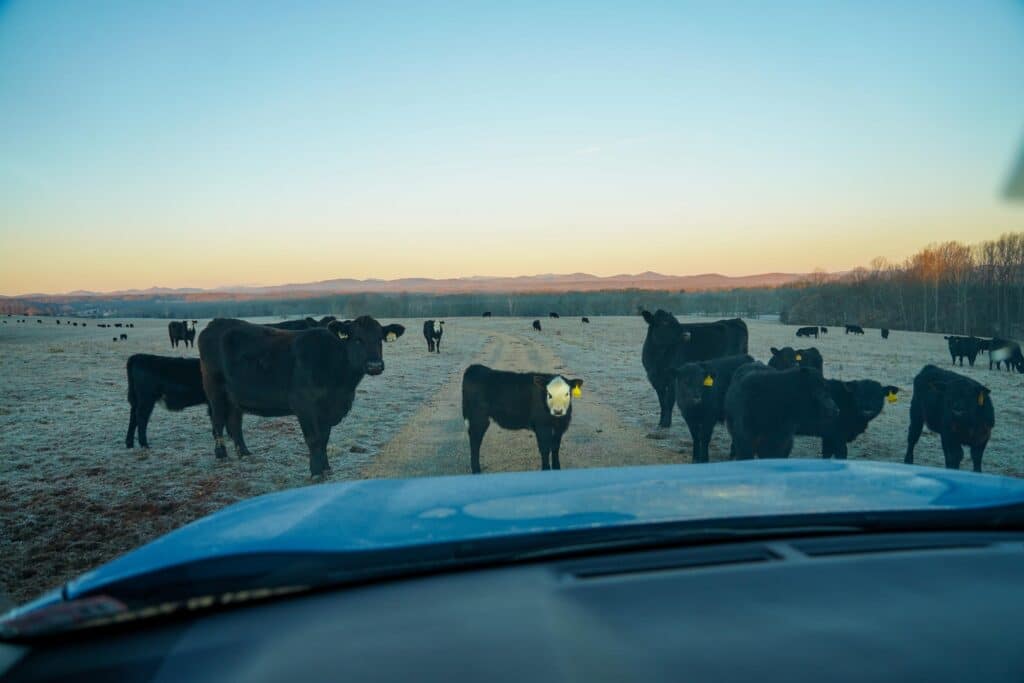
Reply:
x=536 y=401
x=312 y=374
x=859 y=402
x=432 y=332
x=700 y=394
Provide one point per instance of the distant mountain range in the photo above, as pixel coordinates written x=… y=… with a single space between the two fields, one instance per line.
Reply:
x=548 y=282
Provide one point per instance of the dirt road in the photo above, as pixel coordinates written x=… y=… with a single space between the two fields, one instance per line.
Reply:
x=434 y=442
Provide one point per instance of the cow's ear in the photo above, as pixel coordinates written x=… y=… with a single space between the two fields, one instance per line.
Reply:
x=310 y=321
x=341 y=330
x=577 y=387
x=392 y=332
x=774 y=351
x=648 y=317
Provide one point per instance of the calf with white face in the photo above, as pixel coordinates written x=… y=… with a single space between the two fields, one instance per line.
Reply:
x=432 y=332
x=539 y=402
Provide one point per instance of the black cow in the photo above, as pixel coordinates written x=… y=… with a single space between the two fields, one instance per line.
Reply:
x=552 y=314
x=130 y=325
x=824 y=330
x=536 y=325
x=294 y=325
x=124 y=336
x=885 y=333
x=177 y=383
x=518 y=400
x=807 y=332
x=585 y=319
x=39 y=321
x=963 y=347
x=58 y=322
x=700 y=395
x=957 y=408
x=118 y=325
x=763 y=408
x=432 y=332
x=312 y=374
x=1005 y=351
x=788 y=357
x=177 y=331
x=487 y=314
x=669 y=343
x=859 y=402
x=113 y=338
x=854 y=329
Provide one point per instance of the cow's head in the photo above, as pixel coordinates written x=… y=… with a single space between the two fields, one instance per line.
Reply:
x=814 y=388
x=326 y=320
x=693 y=382
x=438 y=324
x=559 y=392
x=964 y=398
x=663 y=329
x=364 y=339
x=784 y=358
x=869 y=397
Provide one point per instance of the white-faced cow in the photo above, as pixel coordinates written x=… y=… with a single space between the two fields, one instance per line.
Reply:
x=536 y=401
x=432 y=331
x=312 y=374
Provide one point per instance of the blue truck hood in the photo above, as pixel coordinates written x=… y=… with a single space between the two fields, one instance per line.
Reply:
x=398 y=513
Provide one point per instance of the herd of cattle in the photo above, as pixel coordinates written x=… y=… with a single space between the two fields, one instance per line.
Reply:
x=76 y=323
x=310 y=368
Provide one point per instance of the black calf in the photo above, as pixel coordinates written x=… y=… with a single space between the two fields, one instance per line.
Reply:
x=175 y=382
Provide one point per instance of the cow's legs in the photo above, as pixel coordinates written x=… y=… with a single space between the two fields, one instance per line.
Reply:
x=476 y=429
x=544 y=446
x=777 y=446
x=953 y=451
x=218 y=415
x=129 y=439
x=667 y=400
x=437 y=345
x=913 y=434
x=141 y=415
x=234 y=427
x=695 y=436
x=556 y=445
x=976 y=453
x=316 y=444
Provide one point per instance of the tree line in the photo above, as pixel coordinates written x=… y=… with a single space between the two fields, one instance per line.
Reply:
x=949 y=287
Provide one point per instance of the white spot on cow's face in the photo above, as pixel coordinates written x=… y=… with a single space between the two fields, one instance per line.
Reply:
x=437 y=327
x=391 y=336
x=558 y=397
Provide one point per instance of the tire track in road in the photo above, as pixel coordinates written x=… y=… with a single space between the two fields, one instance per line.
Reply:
x=434 y=441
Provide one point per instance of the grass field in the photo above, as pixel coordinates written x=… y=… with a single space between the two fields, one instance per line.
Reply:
x=72 y=497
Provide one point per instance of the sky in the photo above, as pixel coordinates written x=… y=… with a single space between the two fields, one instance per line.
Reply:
x=204 y=144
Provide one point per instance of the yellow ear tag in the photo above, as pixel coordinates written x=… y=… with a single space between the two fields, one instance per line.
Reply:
x=981 y=399
x=891 y=397
x=709 y=381
x=799 y=357
x=576 y=391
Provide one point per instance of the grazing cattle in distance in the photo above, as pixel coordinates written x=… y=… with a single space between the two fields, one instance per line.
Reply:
x=312 y=374
x=432 y=332
x=176 y=383
x=536 y=325
x=176 y=331
x=118 y=325
x=1005 y=351
x=854 y=329
x=788 y=357
x=124 y=336
x=824 y=330
x=885 y=333
x=963 y=347
x=859 y=402
x=700 y=394
x=807 y=332
x=487 y=314
x=57 y=321
x=669 y=343
x=39 y=321
x=113 y=338
x=84 y=324
x=585 y=319
x=552 y=314
x=957 y=408
x=763 y=408
x=518 y=400
x=75 y=324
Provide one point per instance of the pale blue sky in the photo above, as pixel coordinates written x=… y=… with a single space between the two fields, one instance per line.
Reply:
x=197 y=143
